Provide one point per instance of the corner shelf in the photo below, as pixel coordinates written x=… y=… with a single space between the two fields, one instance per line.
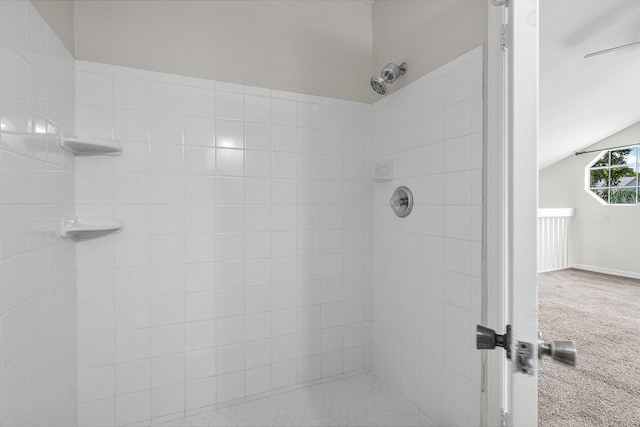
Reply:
x=88 y=227
x=90 y=146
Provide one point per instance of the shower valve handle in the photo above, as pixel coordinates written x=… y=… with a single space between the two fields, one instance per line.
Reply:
x=397 y=201
x=401 y=201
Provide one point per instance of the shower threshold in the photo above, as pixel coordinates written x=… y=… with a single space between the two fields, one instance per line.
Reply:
x=362 y=400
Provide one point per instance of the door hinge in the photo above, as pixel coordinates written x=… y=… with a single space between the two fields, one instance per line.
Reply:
x=503 y=37
x=504 y=416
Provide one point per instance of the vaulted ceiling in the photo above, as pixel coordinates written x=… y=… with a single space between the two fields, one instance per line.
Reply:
x=583 y=100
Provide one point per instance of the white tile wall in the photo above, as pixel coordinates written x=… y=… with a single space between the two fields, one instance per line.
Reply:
x=37 y=280
x=244 y=264
x=427 y=267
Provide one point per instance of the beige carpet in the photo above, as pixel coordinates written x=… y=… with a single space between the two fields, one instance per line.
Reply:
x=601 y=314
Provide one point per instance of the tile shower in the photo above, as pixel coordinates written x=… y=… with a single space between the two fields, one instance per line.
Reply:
x=257 y=256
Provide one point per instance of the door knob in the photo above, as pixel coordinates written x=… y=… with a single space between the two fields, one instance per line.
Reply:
x=564 y=352
x=487 y=339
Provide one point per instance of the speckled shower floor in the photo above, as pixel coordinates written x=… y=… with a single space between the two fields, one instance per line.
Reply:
x=363 y=400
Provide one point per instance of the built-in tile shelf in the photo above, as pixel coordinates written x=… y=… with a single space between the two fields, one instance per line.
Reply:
x=89 y=227
x=90 y=146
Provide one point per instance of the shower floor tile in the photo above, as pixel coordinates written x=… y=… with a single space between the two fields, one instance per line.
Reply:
x=363 y=400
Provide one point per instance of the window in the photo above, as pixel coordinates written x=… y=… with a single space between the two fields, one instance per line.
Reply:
x=613 y=177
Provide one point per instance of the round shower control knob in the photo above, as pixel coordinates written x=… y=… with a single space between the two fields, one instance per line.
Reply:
x=396 y=202
x=402 y=201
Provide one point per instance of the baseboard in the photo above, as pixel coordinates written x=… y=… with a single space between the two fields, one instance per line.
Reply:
x=611 y=271
x=554 y=269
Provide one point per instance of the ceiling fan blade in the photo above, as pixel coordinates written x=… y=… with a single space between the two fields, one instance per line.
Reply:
x=600 y=52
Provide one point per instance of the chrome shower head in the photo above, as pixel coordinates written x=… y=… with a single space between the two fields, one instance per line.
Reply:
x=389 y=74
x=378 y=84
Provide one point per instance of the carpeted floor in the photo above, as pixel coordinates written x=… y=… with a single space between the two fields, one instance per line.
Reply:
x=601 y=314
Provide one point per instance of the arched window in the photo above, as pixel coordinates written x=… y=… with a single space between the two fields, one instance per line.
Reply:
x=613 y=177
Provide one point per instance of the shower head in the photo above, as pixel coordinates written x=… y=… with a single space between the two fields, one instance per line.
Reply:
x=389 y=74
x=378 y=84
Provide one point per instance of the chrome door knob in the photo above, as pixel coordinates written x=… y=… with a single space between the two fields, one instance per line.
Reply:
x=564 y=352
x=487 y=339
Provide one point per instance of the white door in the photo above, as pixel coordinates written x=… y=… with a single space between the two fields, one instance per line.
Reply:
x=512 y=180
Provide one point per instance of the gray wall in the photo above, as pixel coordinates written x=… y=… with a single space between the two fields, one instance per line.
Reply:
x=605 y=237
x=426 y=34
x=59 y=15
x=314 y=47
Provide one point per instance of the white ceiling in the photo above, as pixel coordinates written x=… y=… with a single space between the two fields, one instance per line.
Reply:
x=582 y=100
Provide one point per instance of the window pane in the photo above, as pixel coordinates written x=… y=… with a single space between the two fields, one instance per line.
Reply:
x=599 y=178
x=603 y=194
x=615 y=176
x=625 y=156
x=623 y=196
x=624 y=176
x=603 y=161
